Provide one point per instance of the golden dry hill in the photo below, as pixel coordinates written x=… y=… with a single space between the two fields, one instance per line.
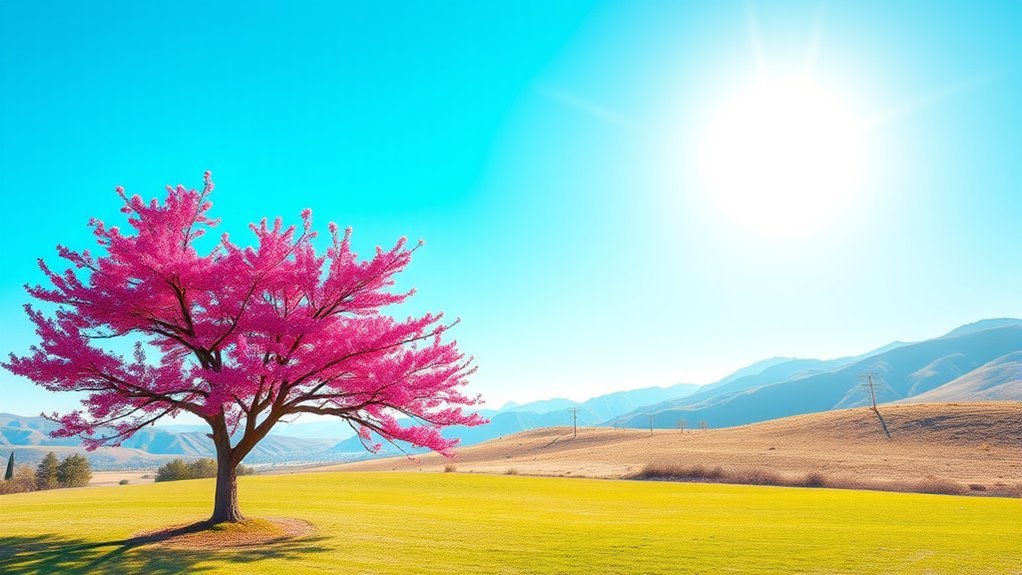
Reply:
x=968 y=443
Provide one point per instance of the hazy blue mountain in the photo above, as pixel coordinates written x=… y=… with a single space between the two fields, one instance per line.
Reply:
x=759 y=374
x=540 y=406
x=331 y=428
x=906 y=371
x=773 y=374
x=311 y=428
x=501 y=424
x=22 y=431
x=612 y=405
x=17 y=430
x=182 y=427
x=104 y=458
x=998 y=380
x=751 y=369
x=984 y=324
x=608 y=406
x=511 y=419
x=882 y=349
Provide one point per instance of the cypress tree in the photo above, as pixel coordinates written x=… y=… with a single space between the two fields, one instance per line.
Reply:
x=10 y=468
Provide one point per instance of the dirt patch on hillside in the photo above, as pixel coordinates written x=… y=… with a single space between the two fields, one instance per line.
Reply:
x=226 y=536
x=973 y=444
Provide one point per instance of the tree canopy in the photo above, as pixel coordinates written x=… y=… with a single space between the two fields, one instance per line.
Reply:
x=74 y=471
x=243 y=335
x=46 y=472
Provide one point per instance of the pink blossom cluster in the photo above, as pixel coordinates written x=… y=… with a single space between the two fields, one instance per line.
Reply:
x=246 y=334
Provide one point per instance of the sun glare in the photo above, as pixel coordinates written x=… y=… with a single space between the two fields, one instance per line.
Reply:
x=783 y=158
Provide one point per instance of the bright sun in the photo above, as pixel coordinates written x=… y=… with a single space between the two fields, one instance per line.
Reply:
x=783 y=157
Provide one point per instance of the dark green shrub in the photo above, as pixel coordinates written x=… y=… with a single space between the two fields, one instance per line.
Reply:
x=201 y=468
x=178 y=469
x=74 y=471
x=46 y=472
x=174 y=470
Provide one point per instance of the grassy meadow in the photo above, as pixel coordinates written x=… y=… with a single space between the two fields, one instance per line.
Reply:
x=409 y=523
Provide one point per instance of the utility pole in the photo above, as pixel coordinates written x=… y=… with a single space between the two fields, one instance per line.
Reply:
x=574 y=423
x=872 y=391
x=868 y=384
x=651 y=425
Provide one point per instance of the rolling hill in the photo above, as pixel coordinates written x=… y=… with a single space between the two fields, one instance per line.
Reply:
x=999 y=380
x=973 y=443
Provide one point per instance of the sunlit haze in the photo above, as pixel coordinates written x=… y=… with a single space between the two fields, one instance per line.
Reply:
x=784 y=157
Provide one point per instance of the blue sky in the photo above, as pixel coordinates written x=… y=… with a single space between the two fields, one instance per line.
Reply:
x=551 y=155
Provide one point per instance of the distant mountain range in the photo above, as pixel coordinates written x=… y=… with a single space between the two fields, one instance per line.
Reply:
x=981 y=361
x=998 y=380
x=512 y=418
x=977 y=362
x=34 y=432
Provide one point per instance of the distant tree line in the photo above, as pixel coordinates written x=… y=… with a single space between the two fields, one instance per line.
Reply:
x=75 y=471
x=178 y=469
x=51 y=473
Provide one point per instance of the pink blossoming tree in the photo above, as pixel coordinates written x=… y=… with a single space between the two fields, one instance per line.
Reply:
x=246 y=336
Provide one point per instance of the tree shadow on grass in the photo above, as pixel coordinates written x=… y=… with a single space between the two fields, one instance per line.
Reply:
x=38 y=554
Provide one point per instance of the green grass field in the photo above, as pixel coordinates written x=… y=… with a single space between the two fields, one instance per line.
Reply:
x=406 y=523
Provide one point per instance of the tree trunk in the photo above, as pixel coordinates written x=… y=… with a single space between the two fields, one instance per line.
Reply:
x=225 y=506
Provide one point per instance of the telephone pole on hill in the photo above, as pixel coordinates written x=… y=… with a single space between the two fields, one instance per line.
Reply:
x=651 y=425
x=574 y=423
x=868 y=384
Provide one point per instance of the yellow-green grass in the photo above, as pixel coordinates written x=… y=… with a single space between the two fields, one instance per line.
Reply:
x=408 y=523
